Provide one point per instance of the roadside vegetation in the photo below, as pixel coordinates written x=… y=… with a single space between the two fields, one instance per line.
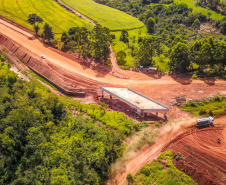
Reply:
x=93 y=44
x=51 y=13
x=212 y=106
x=50 y=139
x=160 y=171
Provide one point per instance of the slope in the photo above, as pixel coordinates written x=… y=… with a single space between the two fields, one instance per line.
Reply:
x=52 y=13
x=104 y=15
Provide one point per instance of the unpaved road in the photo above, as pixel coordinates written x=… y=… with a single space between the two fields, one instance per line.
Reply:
x=37 y=48
x=162 y=89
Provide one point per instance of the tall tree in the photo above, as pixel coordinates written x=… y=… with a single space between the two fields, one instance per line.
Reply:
x=147 y=51
x=48 y=33
x=205 y=56
x=35 y=20
x=179 y=58
x=196 y=24
x=150 y=25
x=124 y=36
x=121 y=55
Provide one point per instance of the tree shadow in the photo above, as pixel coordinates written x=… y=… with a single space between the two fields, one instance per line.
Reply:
x=209 y=80
x=152 y=74
x=182 y=79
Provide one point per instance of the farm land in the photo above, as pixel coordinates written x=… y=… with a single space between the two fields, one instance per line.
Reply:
x=19 y=10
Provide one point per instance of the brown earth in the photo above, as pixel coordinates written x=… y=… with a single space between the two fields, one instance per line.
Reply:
x=205 y=153
x=160 y=88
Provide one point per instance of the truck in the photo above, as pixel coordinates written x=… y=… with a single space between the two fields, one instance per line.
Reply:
x=204 y=122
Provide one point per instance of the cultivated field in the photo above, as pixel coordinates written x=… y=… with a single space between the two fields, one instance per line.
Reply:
x=104 y=15
x=52 y=13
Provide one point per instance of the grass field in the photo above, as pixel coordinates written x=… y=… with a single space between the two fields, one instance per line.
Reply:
x=104 y=15
x=52 y=13
x=192 y=4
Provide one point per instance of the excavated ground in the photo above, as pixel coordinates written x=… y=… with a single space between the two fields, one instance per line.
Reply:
x=204 y=151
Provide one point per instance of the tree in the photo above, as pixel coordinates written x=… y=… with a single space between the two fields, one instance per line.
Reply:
x=220 y=53
x=196 y=24
x=205 y=56
x=35 y=20
x=121 y=55
x=178 y=39
x=150 y=25
x=223 y=27
x=48 y=33
x=65 y=38
x=179 y=58
x=147 y=51
x=124 y=36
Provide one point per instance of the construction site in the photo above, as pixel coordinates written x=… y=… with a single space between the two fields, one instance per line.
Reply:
x=135 y=93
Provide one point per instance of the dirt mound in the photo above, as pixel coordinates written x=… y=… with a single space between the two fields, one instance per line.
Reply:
x=205 y=153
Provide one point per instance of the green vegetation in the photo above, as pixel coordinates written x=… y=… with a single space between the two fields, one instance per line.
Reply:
x=160 y=171
x=192 y=4
x=213 y=106
x=94 y=44
x=52 y=13
x=50 y=139
x=104 y=15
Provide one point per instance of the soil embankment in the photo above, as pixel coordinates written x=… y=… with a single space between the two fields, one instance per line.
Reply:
x=204 y=151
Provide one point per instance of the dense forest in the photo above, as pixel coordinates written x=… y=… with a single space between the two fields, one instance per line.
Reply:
x=50 y=139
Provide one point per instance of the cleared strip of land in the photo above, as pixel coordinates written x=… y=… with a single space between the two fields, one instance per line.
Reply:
x=104 y=15
x=52 y=13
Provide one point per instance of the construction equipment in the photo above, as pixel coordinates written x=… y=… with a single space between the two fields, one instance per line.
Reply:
x=205 y=122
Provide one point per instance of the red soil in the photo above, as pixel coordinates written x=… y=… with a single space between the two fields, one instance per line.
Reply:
x=205 y=153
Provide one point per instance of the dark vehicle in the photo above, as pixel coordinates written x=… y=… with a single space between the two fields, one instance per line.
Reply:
x=204 y=122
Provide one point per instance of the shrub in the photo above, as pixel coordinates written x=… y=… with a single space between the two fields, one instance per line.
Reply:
x=210 y=113
x=202 y=112
x=145 y=170
x=194 y=76
x=157 y=124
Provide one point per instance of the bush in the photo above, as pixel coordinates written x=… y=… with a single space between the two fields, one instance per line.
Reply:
x=202 y=112
x=145 y=170
x=194 y=76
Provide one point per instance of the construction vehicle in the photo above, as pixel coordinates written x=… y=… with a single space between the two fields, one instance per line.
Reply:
x=204 y=122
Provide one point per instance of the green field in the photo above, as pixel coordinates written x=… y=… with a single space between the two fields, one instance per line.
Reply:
x=192 y=4
x=52 y=13
x=104 y=15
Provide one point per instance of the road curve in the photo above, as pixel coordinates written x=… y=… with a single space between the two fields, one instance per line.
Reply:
x=36 y=47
